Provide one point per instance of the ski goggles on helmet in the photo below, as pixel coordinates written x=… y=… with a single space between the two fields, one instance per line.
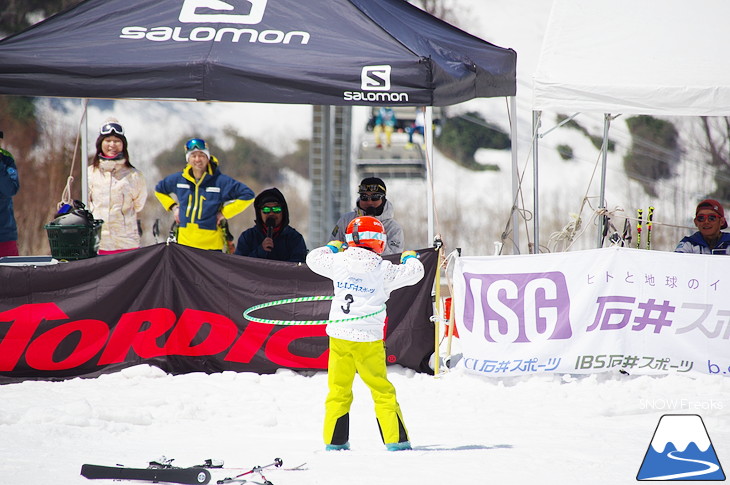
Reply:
x=371 y=188
x=268 y=210
x=195 y=144
x=372 y=198
x=111 y=128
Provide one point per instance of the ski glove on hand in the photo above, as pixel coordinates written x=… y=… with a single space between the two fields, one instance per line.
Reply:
x=406 y=255
x=336 y=246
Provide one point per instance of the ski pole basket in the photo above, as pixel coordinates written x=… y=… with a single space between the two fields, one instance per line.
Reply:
x=74 y=242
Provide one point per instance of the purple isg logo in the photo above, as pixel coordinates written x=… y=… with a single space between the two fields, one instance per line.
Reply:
x=528 y=307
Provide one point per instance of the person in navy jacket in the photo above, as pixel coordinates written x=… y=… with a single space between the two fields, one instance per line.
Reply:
x=9 y=185
x=272 y=237
x=203 y=198
x=709 y=239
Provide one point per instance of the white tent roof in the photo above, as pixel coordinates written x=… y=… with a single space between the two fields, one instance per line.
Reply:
x=661 y=57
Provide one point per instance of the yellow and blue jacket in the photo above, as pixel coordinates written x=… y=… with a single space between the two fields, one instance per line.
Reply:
x=200 y=201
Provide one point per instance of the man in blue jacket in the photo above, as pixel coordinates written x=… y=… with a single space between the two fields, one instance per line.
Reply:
x=204 y=197
x=709 y=239
x=272 y=237
x=9 y=185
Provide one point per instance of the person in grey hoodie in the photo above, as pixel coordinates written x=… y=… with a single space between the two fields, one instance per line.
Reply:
x=371 y=201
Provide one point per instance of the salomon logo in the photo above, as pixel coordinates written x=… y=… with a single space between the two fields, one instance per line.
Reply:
x=240 y=12
x=208 y=11
x=375 y=78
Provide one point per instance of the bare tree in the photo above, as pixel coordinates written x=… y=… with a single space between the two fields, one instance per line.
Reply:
x=43 y=158
x=437 y=8
x=716 y=144
x=717 y=131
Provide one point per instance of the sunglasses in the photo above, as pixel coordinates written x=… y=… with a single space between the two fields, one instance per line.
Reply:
x=371 y=198
x=268 y=210
x=711 y=218
x=109 y=128
x=195 y=144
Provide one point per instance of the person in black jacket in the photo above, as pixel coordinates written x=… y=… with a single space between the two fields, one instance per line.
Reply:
x=272 y=237
x=9 y=185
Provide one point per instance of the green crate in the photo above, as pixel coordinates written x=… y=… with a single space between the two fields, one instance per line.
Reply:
x=74 y=242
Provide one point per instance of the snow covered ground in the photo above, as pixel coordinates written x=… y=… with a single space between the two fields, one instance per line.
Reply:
x=464 y=428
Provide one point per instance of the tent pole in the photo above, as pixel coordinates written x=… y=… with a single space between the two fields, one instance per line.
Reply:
x=84 y=156
x=536 y=195
x=515 y=175
x=602 y=198
x=428 y=137
x=329 y=177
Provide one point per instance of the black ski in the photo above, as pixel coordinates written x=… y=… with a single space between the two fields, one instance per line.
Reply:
x=189 y=476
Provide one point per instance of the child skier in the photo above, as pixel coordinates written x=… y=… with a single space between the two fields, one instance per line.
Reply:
x=362 y=283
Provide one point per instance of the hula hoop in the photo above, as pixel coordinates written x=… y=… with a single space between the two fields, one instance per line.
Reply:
x=247 y=313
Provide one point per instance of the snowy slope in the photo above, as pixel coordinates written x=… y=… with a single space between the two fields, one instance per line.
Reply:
x=464 y=428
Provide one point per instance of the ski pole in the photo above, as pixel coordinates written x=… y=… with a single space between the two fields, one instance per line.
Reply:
x=640 y=215
x=626 y=236
x=257 y=469
x=649 y=218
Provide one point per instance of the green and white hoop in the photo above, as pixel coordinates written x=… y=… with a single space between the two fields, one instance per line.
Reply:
x=247 y=313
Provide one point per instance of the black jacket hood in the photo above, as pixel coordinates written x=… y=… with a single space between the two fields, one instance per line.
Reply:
x=271 y=195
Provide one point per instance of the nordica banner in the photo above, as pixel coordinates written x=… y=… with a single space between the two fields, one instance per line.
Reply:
x=181 y=309
x=613 y=309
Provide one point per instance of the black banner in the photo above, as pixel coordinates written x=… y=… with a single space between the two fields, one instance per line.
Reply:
x=181 y=309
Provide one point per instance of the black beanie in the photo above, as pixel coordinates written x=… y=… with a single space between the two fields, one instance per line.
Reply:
x=372 y=184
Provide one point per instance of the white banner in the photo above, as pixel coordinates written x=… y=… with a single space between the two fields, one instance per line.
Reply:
x=611 y=309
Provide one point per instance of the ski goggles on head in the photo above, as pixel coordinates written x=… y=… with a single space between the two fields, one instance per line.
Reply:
x=710 y=217
x=371 y=188
x=268 y=210
x=111 y=128
x=195 y=144
x=372 y=198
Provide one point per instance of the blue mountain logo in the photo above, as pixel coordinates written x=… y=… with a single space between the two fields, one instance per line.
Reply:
x=681 y=450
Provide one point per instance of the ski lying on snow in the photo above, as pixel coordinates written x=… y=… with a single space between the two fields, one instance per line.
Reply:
x=189 y=476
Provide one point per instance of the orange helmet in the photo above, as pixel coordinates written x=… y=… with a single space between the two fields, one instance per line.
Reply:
x=366 y=232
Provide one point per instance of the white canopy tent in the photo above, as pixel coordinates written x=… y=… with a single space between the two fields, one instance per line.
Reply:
x=651 y=57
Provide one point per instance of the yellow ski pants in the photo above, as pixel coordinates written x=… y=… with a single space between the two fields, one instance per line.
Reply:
x=368 y=360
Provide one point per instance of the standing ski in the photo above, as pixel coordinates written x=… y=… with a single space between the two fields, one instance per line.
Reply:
x=649 y=218
x=639 y=217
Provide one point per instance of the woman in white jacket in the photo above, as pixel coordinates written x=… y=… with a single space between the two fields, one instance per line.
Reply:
x=117 y=191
